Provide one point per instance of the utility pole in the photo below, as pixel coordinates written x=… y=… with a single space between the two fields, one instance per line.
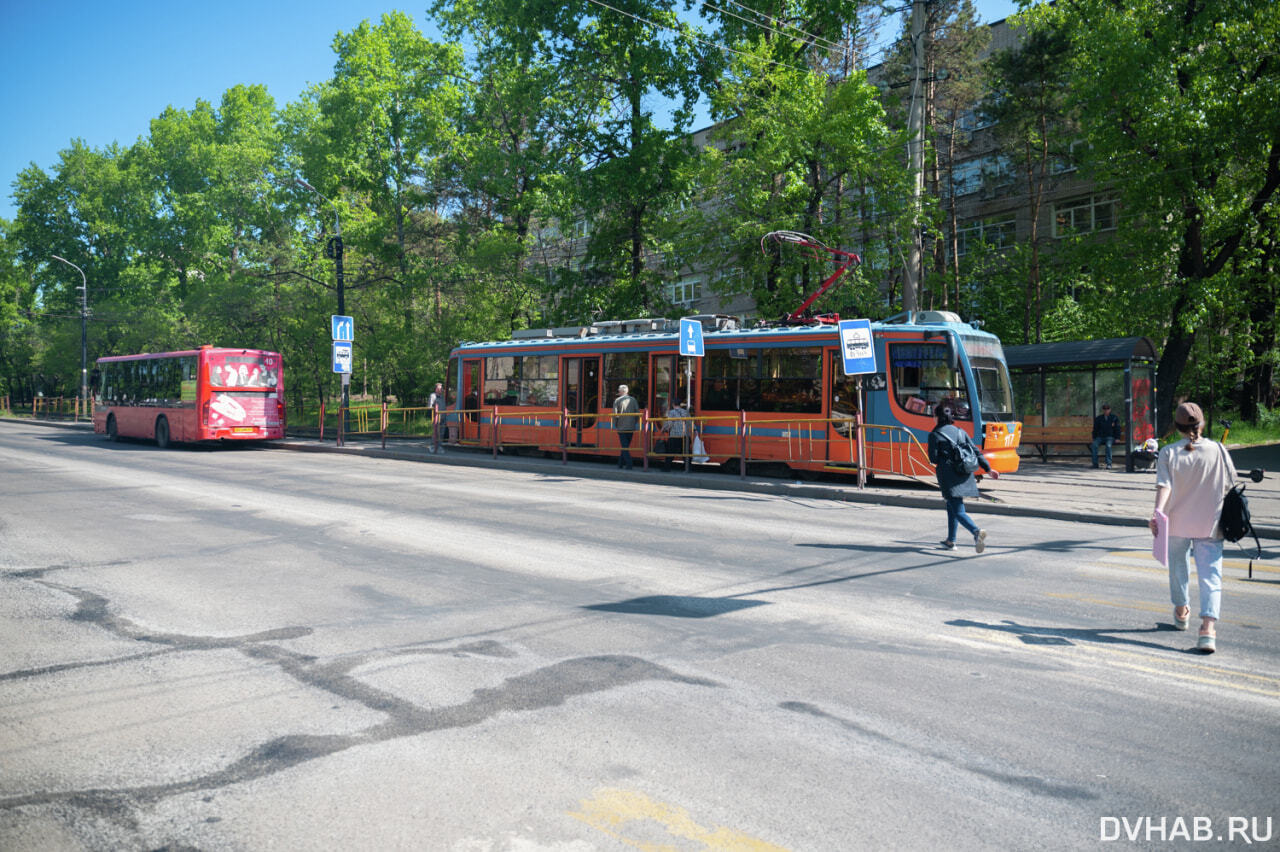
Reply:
x=334 y=250
x=84 y=332
x=915 y=151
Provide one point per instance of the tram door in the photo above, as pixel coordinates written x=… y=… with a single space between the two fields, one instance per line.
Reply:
x=581 y=394
x=472 y=372
x=666 y=382
x=842 y=405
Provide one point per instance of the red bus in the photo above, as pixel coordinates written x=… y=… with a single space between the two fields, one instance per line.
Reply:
x=205 y=394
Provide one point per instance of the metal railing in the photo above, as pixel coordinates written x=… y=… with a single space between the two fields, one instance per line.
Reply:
x=832 y=443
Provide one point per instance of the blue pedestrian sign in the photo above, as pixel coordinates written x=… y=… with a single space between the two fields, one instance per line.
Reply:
x=691 y=338
x=857 y=347
x=342 y=357
x=344 y=328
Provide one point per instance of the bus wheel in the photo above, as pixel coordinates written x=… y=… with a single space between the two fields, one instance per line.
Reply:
x=113 y=433
x=162 y=433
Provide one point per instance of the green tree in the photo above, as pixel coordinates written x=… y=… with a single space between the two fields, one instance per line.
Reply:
x=1025 y=100
x=796 y=151
x=1177 y=102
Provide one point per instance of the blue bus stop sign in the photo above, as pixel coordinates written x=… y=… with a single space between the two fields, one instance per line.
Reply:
x=342 y=356
x=857 y=347
x=691 y=339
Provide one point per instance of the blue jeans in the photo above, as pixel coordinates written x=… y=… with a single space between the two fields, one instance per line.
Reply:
x=624 y=441
x=1208 y=553
x=1093 y=449
x=957 y=515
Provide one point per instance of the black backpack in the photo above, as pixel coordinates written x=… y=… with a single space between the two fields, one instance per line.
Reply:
x=1235 y=521
x=960 y=455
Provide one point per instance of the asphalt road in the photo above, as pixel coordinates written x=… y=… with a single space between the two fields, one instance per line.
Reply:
x=248 y=649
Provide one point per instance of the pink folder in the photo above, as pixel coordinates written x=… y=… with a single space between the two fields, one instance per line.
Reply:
x=1160 y=544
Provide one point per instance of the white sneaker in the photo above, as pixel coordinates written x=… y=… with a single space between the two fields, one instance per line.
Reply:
x=979 y=541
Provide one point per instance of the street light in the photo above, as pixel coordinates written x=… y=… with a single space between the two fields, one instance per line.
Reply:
x=84 y=332
x=334 y=250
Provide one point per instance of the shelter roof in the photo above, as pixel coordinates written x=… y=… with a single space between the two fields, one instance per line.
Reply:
x=1112 y=350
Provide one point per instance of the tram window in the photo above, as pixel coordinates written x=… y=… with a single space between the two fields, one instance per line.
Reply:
x=723 y=378
x=921 y=378
x=501 y=381
x=791 y=380
x=539 y=379
x=626 y=368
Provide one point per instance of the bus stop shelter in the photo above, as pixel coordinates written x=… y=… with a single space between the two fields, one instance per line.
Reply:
x=1060 y=387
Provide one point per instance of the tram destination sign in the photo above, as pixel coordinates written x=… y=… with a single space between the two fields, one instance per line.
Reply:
x=857 y=347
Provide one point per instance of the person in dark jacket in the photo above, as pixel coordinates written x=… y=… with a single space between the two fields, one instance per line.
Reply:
x=956 y=486
x=1106 y=429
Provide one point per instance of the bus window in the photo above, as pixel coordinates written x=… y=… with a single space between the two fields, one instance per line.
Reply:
x=921 y=377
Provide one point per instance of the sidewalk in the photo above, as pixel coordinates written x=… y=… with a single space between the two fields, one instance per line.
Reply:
x=1061 y=490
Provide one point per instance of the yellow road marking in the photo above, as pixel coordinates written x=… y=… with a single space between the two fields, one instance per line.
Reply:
x=610 y=811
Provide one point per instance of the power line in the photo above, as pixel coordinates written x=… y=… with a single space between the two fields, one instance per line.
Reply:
x=706 y=4
x=689 y=35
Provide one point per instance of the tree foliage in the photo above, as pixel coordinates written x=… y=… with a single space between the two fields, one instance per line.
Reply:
x=547 y=174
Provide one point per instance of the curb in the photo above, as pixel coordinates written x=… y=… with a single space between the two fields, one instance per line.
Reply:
x=696 y=479
x=723 y=482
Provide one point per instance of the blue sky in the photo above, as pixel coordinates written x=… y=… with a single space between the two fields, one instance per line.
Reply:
x=101 y=71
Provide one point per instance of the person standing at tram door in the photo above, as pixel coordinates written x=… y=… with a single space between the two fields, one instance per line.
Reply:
x=677 y=431
x=945 y=442
x=434 y=403
x=625 y=422
x=1192 y=477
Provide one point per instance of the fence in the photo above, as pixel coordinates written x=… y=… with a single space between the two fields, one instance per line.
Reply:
x=51 y=408
x=855 y=447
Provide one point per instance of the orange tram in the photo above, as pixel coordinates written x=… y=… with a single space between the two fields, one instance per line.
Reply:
x=770 y=394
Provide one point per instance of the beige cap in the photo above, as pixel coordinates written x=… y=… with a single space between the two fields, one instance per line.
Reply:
x=1188 y=414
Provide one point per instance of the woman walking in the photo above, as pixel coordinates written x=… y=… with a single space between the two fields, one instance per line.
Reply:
x=945 y=442
x=1192 y=477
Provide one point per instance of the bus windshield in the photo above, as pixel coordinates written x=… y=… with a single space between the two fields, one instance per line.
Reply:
x=244 y=369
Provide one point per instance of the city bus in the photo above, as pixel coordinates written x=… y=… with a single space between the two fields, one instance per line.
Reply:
x=767 y=394
x=205 y=394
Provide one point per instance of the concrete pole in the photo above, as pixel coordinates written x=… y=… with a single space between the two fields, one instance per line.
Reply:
x=915 y=150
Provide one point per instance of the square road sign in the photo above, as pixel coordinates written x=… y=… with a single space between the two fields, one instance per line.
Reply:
x=342 y=356
x=691 y=345
x=856 y=347
x=343 y=328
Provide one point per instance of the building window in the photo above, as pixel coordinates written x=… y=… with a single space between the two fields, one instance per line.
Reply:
x=997 y=232
x=1084 y=216
x=685 y=291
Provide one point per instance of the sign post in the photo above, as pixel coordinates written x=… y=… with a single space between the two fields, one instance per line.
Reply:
x=343 y=330
x=691 y=346
x=857 y=348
